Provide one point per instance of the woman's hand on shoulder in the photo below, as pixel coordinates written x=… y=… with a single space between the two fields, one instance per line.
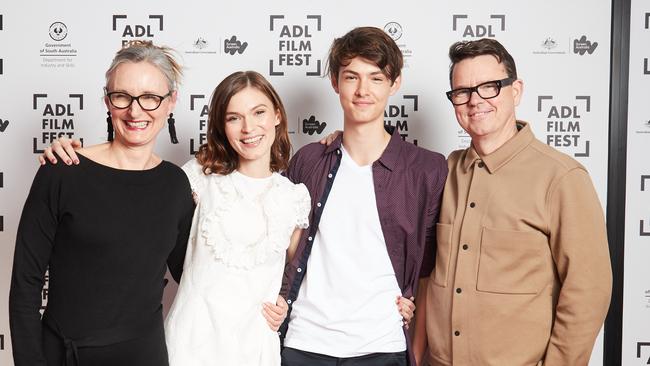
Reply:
x=62 y=147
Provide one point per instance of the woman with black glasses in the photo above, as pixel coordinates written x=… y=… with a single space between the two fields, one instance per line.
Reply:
x=106 y=230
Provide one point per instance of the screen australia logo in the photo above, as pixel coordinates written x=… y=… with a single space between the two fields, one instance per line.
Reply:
x=233 y=45
x=583 y=45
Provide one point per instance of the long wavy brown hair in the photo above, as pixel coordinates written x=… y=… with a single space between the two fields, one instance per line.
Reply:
x=217 y=156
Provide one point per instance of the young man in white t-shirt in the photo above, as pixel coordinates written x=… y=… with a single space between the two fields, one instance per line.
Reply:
x=375 y=202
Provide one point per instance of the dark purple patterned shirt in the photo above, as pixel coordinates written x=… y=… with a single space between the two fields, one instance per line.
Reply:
x=408 y=184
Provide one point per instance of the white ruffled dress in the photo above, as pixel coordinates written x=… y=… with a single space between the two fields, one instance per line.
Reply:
x=234 y=263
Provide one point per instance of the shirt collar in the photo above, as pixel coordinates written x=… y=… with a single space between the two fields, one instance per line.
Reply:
x=390 y=155
x=503 y=154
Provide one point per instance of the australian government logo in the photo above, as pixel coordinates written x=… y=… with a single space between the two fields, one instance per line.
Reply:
x=549 y=46
x=399 y=115
x=140 y=29
x=201 y=46
x=565 y=123
x=58 y=51
x=396 y=31
x=295 y=45
x=56 y=118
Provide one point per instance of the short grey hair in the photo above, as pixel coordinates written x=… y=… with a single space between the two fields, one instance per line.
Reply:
x=145 y=51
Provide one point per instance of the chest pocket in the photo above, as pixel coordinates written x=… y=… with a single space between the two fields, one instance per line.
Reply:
x=443 y=254
x=513 y=262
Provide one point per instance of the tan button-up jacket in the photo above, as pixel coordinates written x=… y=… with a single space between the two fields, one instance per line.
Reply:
x=522 y=270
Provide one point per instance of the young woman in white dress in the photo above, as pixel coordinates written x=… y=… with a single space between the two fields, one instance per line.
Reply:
x=248 y=217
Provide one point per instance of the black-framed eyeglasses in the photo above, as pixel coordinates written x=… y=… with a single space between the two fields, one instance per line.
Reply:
x=148 y=102
x=486 y=90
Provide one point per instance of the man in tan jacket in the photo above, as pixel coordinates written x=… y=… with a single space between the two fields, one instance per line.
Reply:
x=522 y=274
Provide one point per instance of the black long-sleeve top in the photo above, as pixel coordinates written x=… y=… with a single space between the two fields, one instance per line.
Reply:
x=106 y=236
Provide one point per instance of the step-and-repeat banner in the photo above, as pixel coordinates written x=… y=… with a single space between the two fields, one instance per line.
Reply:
x=53 y=56
x=636 y=293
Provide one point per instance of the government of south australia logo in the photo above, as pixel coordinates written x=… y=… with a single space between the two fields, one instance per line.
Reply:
x=583 y=45
x=58 y=31
x=394 y=30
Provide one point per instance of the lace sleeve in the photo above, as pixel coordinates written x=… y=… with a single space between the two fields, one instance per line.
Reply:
x=197 y=178
x=303 y=206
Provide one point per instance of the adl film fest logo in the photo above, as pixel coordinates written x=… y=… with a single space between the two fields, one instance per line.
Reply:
x=57 y=119
x=130 y=32
x=197 y=105
x=462 y=22
x=396 y=115
x=563 y=124
x=294 y=46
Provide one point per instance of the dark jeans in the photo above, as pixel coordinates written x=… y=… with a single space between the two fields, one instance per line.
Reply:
x=294 y=357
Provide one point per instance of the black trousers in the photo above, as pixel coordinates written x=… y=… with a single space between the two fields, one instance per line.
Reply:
x=294 y=357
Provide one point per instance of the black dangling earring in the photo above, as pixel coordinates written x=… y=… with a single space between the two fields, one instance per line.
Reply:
x=109 y=127
x=172 y=129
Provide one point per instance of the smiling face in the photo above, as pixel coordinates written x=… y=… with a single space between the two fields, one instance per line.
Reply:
x=363 y=91
x=134 y=126
x=486 y=119
x=250 y=126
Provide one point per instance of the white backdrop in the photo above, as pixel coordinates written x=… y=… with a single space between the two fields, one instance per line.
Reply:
x=53 y=57
x=636 y=292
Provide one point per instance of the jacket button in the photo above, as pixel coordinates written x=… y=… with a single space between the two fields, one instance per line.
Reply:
x=456 y=333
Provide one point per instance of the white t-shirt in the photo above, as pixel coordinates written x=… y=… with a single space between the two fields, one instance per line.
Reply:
x=346 y=304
